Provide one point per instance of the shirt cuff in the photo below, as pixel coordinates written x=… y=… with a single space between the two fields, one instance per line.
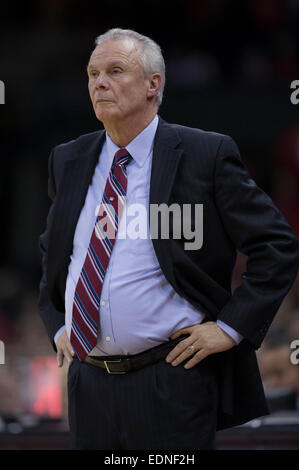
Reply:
x=58 y=333
x=230 y=331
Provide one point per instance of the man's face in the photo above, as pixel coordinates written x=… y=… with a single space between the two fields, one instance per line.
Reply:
x=117 y=86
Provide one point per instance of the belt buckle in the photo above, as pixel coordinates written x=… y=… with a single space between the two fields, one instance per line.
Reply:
x=111 y=371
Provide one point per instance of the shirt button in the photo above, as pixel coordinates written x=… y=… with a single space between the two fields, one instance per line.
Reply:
x=108 y=338
x=111 y=198
x=103 y=303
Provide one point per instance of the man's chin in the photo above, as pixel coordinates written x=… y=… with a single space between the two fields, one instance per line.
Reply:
x=105 y=115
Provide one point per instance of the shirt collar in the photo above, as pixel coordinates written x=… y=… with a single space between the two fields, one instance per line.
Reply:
x=140 y=147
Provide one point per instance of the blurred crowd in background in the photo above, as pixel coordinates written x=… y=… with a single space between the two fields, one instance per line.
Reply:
x=229 y=67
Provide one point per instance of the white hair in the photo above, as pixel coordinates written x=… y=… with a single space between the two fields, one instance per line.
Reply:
x=151 y=57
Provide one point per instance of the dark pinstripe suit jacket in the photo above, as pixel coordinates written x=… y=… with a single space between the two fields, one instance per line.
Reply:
x=190 y=166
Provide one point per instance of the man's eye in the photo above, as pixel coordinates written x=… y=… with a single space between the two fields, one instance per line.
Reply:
x=93 y=74
x=116 y=71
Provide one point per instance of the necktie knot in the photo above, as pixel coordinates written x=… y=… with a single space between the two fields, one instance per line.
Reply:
x=122 y=157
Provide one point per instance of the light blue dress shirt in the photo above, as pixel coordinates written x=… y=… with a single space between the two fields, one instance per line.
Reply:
x=139 y=309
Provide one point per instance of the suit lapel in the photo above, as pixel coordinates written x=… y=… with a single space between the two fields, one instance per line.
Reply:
x=76 y=179
x=166 y=158
x=165 y=162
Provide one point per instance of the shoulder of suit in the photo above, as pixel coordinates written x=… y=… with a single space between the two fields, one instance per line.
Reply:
x=208 y=141
x=83 y=139
x=66 y=151
x=198 y=133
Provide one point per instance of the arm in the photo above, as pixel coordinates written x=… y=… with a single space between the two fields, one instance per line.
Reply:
x=259 y=230
x=230 y=331
x=52 y=318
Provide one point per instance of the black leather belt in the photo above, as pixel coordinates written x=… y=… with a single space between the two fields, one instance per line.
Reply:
x=125 y=364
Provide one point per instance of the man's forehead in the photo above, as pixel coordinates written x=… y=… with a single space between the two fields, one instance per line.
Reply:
x=115 y=49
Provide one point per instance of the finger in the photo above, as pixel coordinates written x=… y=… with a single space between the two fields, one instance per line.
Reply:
x=69 y=360
x=178 y=333
x=199 y=356
x=179 y=349
x=188 y=352
x=69 y=355
x=70 y=350
x=59 y=358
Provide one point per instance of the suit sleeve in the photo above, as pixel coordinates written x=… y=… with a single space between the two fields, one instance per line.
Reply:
x=52 y=318
x=259 y=230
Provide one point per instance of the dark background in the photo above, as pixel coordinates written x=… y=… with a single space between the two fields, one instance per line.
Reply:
x=229 y=67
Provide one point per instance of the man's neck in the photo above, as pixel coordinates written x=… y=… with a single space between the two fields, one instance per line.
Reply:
x=122 y=133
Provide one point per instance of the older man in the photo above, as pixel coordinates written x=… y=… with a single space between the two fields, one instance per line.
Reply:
x=161 y=353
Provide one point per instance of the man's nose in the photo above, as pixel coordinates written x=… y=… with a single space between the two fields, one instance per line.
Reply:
x=102 y=81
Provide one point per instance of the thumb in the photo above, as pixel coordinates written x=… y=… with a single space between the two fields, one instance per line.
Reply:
x=183 y=331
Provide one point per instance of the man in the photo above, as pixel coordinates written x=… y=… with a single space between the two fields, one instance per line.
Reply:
x=162 y=355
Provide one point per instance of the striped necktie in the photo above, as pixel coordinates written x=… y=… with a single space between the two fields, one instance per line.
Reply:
x=85 y=315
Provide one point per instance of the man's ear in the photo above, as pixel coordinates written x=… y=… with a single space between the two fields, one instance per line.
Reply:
x=155 y=82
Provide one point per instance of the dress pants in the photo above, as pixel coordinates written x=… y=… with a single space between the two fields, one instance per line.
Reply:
x=158 y=407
